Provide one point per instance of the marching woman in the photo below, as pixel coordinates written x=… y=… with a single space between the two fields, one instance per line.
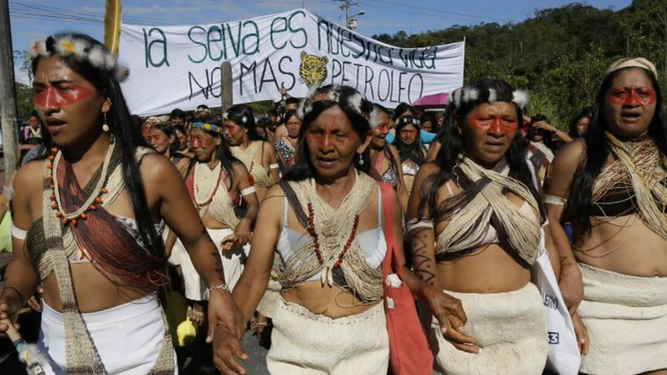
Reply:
x=164 y=142
x=85 y=225
x=329 y=318
x=183 y=149
x=256 y=154
x=384 y=157
x=410 y=148
x=286 y=145
x=612 y=186
x=475 y=227
x=217 y=183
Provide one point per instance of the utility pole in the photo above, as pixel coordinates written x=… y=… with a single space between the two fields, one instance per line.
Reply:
x=350 y=20
x=8 y=110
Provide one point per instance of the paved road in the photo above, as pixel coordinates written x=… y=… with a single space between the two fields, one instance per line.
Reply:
x=256 y=365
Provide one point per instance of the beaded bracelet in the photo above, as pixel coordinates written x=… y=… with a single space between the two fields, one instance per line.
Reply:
x=223 y=286
x=21 y=299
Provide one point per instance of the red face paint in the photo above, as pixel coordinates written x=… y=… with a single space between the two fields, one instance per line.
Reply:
x=631 y=97
x=50 y=96
x=494 y=124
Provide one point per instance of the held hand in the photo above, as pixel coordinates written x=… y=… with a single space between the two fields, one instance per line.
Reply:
x=225 y=329
x=449 y=313
x=226 y=350
x=9 y=308
x=581 y=332
x=243 y=233
x=228 y=242
x=35 y=303
x=571 y=286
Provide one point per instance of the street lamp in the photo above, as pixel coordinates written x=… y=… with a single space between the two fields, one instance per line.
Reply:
x=352 y=21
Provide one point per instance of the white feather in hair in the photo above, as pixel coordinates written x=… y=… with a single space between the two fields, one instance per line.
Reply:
x=80 y=47
x=96 y=57
x=493 y=95
x=457 y=97
x=373 y=118
x=356 y=101
x=520 y=98
x=470 y=94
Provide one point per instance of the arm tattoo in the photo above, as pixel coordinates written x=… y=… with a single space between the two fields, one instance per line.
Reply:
x=422 y=263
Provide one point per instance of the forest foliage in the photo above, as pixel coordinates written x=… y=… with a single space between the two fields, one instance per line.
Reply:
x=558 y=54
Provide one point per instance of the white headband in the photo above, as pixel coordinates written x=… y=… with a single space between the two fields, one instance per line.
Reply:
x=467 y=94
x=81 y=49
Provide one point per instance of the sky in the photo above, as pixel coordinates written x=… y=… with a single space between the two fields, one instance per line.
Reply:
x=31 y=20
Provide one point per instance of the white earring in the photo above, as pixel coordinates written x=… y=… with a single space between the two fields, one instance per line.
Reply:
x=361 y=159
x=105 y=126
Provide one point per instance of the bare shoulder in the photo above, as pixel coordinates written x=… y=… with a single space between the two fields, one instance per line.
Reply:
x=571 y=155
x=428 y=170
x=30 y=177
x=268 y=146
x=155 y=167
x=276 y=191
x=239 y=168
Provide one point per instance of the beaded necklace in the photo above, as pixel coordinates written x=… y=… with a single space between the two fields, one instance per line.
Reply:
x=196 y=188
x=327 y=273
x=93 y=200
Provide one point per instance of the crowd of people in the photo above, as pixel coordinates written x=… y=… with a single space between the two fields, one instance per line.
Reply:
x=157 y=242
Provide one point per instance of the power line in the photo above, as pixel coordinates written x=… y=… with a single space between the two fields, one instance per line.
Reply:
x=396 y=3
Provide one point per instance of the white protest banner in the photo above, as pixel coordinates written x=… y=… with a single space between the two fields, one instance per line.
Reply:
x=179 y=66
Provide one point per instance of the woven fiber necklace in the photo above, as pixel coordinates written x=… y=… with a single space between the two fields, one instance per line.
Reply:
x=93 y=200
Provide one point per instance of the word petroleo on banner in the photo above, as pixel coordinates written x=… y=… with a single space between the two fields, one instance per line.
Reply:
x=179 y=66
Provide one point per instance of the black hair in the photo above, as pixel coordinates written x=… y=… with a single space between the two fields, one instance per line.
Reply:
x=291 y=113
x=584 y=113
x=242 y=115
x=292 y=100
x=578 y=208
x=179 y=128
x=347 y=101
x=430 y=117
x=402 y=109
x=137 y=124
x=122 y=128
x=168 y=130
x=222 y=153
x=453 y=145
x=177 y=113
x=414 y=151
x=274 y=113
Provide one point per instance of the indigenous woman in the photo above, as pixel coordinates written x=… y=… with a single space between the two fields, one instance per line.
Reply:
x=405 y=109
x=329 y=318
x=247 y=146
x=409 y=146
x=183 y=149
x=478 y=204
x=286 y=146
x=216 y=182
x=85 y=219
x=579 y=123
x=384 y=157
x=164 y=142
x=612 y=186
